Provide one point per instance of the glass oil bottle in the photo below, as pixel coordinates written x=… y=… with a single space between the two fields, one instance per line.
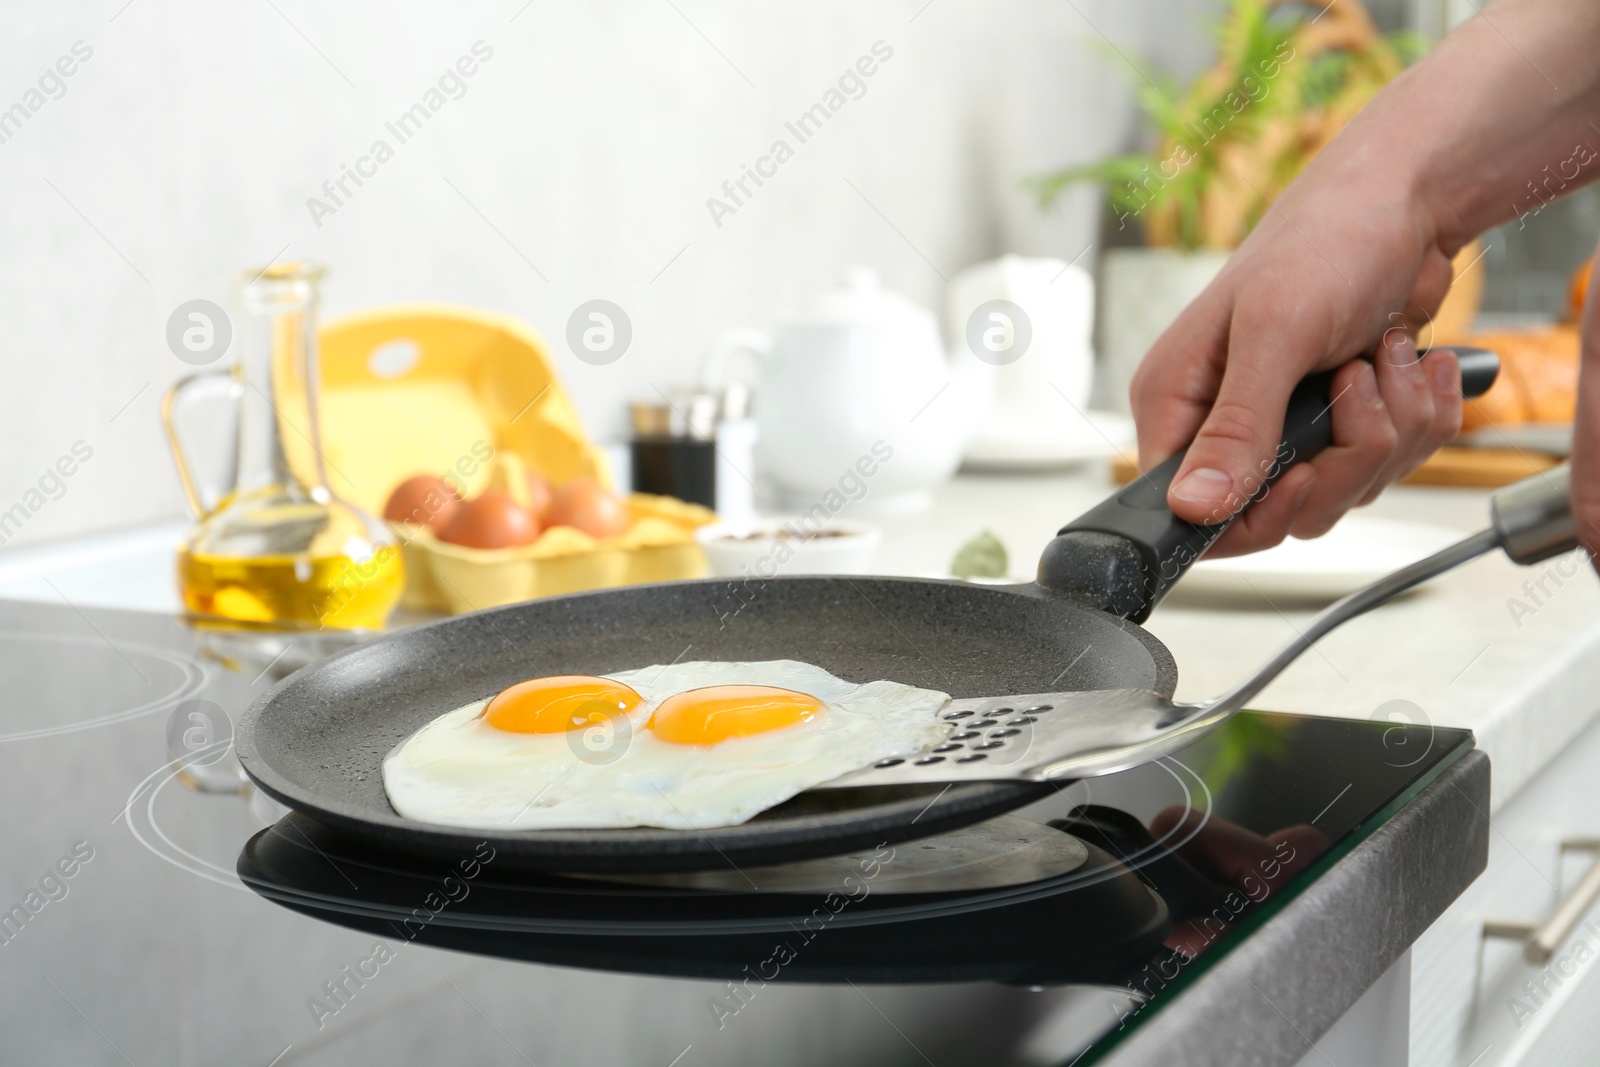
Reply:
x=277 y=549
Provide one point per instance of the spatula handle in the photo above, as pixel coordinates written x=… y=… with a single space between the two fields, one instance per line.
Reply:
x=1534 y=516
x=1125 y=554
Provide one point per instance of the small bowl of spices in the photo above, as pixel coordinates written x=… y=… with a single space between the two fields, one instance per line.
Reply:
x=769 y=547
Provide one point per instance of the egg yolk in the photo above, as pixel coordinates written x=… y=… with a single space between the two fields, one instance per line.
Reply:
x=716 y=713
x=559 y=703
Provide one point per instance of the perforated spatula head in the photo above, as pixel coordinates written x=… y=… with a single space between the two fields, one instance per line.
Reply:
x=1037 y=737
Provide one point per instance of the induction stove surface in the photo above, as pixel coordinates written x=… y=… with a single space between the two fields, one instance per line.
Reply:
x=200 y=928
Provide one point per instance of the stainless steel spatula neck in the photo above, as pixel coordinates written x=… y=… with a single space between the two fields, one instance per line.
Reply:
x=1048 y=736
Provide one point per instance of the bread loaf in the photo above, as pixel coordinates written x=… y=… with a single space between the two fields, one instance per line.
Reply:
x=1538 y=379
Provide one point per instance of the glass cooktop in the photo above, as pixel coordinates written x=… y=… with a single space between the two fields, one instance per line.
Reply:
x=154 y=910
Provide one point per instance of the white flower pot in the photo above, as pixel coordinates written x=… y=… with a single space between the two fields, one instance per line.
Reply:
x=1142 y=290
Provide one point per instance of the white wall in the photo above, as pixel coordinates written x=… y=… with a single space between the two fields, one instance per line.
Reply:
x=192 y=138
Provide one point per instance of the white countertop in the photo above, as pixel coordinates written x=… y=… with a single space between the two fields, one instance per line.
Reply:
x=1453 y=649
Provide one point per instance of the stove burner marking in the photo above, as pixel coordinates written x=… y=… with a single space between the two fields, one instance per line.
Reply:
x=193 y=682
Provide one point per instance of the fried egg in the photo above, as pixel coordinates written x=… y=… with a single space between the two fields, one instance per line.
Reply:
x=684 y=746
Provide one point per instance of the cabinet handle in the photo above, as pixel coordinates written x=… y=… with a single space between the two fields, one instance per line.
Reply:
x=1540 y=940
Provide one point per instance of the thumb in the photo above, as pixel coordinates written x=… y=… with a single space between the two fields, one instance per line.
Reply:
x=1236 y=444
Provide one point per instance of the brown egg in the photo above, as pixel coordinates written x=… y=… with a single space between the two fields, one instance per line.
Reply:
x=424 y=500
x=538 y=496
x=589 y=506
x=492 y=520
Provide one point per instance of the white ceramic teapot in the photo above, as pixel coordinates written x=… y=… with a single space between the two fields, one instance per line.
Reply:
x=857 y=403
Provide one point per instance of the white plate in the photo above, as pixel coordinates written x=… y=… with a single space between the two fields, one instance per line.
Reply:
x=1356 y=552
x=1076 y=438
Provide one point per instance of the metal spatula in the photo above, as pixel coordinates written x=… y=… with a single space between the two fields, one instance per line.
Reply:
x=1046 y=736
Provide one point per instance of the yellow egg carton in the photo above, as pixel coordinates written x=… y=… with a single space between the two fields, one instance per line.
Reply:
x=436 y=389
x=658 y=546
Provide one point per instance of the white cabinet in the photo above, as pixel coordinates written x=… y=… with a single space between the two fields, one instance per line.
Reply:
x=1375 y=1031
x=1478 y=1001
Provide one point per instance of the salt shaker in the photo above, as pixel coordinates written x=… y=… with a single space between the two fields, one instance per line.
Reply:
x=736 y=456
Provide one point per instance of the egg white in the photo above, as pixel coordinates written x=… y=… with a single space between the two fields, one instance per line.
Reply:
x=459 y=771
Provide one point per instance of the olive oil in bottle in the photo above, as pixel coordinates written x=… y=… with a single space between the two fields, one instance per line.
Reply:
x=279 y=549
x=333 y=591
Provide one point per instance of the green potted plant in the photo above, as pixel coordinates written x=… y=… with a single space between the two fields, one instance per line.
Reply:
x=1286 y=80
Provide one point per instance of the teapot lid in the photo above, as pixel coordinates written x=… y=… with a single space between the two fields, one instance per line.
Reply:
x=859 y=299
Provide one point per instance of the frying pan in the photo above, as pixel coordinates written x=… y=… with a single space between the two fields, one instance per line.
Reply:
x=317 y=740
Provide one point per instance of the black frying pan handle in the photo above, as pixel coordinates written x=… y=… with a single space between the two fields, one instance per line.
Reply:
x=1125 y=554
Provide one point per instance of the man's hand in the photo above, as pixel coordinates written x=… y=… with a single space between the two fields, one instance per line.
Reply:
x=1353 y=260
x=1356 y=276
x=1252 y=866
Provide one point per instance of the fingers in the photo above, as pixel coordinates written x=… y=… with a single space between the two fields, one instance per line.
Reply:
x=1267 y=350
x=1423 y=399
x=1222 y=851
x=1233 y=858
x=1444 y=373
x=1268 y=521
x=1380 y=439
x=1231 y=855
x=1300 y=844
x=1223 y=373
x=1407 y=394
x=1388 y=416
x=1365 y=440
